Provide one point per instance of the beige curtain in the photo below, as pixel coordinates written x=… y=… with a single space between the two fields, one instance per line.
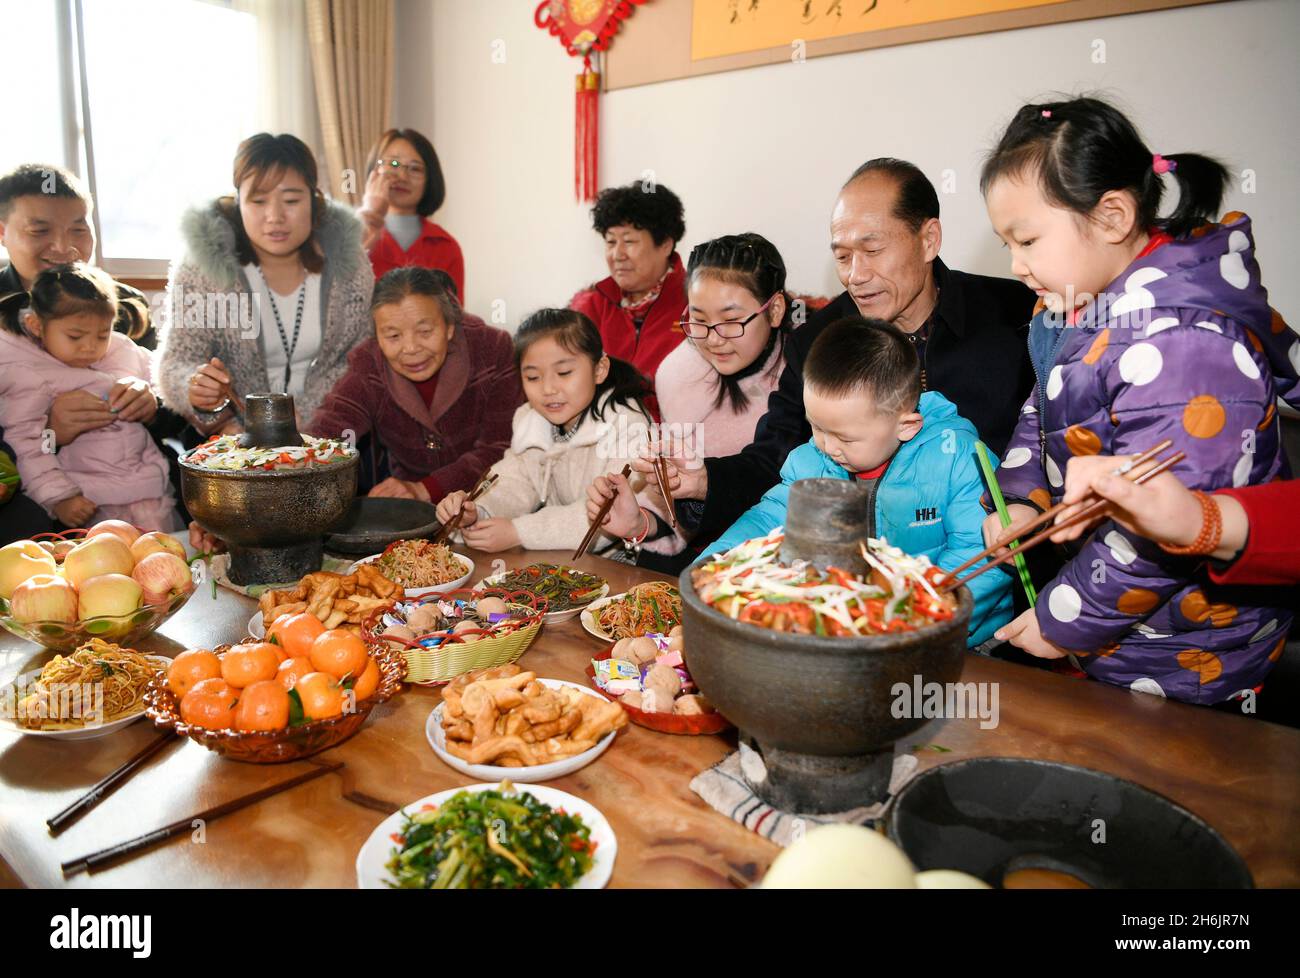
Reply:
x=351 y=44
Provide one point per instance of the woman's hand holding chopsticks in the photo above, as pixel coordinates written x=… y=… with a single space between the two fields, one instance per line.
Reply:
x=1162 y=509
x=687 y=476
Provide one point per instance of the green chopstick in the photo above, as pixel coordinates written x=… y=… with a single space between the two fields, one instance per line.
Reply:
x=995 y=490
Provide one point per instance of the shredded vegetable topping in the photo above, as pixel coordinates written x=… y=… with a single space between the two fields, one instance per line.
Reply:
x=748 y=584
x=222 y=452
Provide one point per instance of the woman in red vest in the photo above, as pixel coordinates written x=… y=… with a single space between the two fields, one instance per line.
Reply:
x=637 y=308
x=404 y=187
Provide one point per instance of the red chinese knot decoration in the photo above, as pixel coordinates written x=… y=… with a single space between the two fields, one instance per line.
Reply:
x=584 y=26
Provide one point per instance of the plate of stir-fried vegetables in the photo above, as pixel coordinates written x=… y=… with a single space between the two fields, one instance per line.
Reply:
x=567 y=590
x=491 y=836
x=749 y=584
x=655 y=606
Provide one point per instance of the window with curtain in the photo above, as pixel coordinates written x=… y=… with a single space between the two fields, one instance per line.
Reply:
x=150 y=113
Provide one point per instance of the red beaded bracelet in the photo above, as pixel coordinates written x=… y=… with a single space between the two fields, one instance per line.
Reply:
x=631 y=543
x=1207 y=541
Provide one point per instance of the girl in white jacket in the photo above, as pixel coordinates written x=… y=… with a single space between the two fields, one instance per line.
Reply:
x=583 y=418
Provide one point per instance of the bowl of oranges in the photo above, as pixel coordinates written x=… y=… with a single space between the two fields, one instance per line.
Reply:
x=304 y=689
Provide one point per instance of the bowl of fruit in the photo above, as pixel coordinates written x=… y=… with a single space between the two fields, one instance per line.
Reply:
x=112 y=582
x=303 y=690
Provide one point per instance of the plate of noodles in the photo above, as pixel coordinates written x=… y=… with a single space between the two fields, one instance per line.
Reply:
x=654 y=607
x=421 y=567
x=89 y=693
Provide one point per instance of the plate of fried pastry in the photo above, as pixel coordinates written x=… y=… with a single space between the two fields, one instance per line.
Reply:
x=505 y=722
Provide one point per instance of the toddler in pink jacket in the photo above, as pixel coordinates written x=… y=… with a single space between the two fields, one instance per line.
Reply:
x=59 y=338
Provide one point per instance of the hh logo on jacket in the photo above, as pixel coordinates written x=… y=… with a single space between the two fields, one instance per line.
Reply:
x=927 y=516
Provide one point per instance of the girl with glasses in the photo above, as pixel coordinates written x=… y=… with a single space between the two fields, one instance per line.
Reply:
x=712 y=389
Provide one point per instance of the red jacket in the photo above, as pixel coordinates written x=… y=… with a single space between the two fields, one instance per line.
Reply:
x=659 y=334
x=434 y=248
x=1271 y=555
x=452 y=442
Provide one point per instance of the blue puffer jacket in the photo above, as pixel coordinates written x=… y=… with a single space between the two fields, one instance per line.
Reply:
x=927 y=502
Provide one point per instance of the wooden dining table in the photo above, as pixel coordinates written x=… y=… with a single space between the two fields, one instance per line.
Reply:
x=1240 y=774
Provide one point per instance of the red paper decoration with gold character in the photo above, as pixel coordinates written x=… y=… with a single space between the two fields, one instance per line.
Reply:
x=584 y=26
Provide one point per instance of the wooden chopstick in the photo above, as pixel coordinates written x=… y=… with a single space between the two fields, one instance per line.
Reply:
x=1086 y=515
x=1012 y=533
x=661 y=476
x=486 y=481
x=97 y=860
x=605 y=507
x=108 y=785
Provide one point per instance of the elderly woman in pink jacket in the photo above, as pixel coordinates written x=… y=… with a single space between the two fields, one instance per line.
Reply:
x=59 y=338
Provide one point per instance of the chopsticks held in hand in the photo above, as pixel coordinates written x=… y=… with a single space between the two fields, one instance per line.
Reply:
x=486 y=481
x=1091 y=511
x=661 y=476
x=97 y=860
x=605 y=507
x=108 y=785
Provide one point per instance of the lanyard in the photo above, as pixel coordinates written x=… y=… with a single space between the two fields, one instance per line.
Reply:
x=287 y=345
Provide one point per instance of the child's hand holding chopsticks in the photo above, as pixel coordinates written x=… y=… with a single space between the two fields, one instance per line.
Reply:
x=625 y=518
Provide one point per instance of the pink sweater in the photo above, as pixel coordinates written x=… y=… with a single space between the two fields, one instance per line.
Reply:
x=686 y=387
x=115 y=465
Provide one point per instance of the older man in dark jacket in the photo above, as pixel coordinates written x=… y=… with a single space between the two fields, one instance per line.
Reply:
x=969 y=330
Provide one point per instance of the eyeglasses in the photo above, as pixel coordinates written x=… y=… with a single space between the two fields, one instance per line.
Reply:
x=731 y=329
x=414 y=169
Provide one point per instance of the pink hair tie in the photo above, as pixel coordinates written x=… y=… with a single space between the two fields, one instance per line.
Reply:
x=1162 y=165
x=1047 y=113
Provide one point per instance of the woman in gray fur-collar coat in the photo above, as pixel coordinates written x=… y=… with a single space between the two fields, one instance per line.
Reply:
x=272 y=294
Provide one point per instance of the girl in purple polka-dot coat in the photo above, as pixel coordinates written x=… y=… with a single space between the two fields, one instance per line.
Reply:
x=1148 y=329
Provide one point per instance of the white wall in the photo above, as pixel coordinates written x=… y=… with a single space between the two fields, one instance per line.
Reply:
x=766 y=148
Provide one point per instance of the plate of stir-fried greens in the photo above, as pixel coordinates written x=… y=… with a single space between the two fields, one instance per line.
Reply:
x=567 y=590
x=490 y=836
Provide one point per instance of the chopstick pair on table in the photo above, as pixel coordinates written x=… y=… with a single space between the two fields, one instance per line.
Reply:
x=104 y=857
x=1137 y=470
x=485 y=482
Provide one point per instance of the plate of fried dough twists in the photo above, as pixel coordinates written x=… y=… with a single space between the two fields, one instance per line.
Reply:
x=505 y=722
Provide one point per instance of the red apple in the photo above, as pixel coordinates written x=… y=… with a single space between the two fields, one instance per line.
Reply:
x=161 y=576
x=155 y=543
x=108 y=594
x=104 y=554
x=119 y=528
x=22 y=561
x=44 y=597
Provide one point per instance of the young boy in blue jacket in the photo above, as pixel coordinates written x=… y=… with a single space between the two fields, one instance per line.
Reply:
x=870 y=421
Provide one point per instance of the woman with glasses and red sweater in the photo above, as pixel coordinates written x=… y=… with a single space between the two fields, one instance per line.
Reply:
x=404 y=187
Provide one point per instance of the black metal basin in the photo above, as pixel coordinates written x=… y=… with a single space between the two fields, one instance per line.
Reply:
x=370 y=525
x=997 y=815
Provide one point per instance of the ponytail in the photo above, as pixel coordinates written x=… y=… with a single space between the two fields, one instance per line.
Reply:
x=12 y=305
x=1080 y=149
x=1202 y=182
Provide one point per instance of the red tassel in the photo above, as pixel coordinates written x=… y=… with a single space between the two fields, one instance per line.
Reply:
x=586 y=135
